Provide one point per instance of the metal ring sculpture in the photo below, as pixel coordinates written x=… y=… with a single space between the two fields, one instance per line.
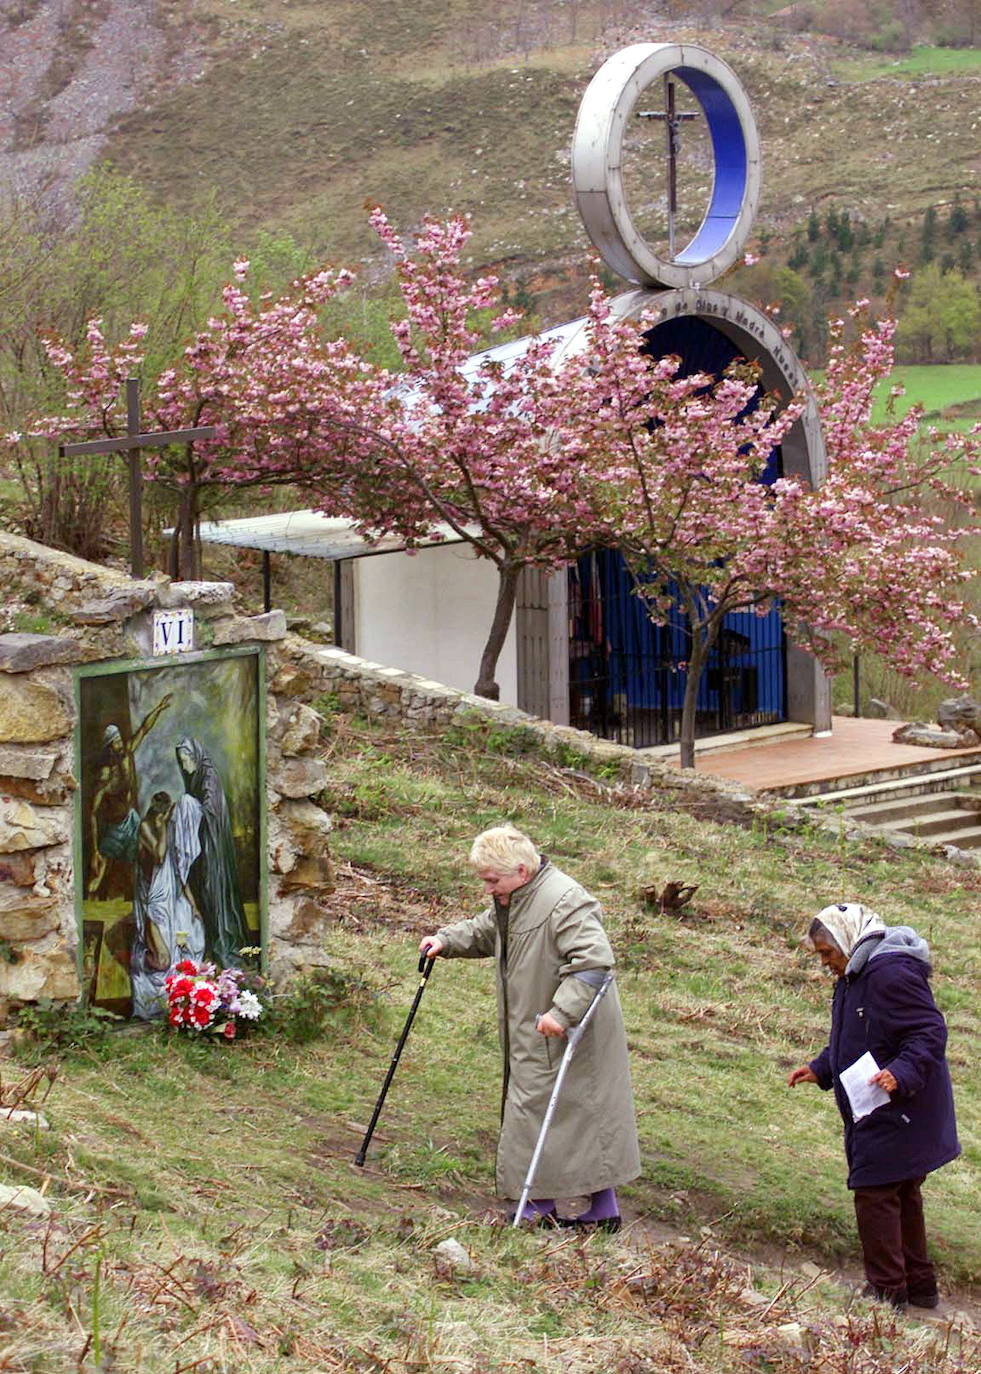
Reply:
x=597 y=163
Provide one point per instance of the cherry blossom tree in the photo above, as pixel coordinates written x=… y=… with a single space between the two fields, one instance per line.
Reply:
x=487 y=450
x=674 y=468
x=534 y=459
x=276 y=391
x=676 y=479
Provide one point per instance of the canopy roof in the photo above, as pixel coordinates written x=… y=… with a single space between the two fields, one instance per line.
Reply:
x=307 y=532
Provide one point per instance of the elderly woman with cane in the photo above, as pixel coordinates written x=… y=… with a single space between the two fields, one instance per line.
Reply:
x=553 y=957
x=885 y=1061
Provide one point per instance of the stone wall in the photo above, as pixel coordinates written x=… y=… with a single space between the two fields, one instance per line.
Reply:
x=101 y=615
x=95 y=615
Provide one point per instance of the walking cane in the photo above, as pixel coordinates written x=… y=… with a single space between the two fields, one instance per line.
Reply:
x=573 y=1036
x=425 y=968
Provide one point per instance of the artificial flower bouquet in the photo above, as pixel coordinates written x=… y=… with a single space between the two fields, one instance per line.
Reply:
x=202 y=998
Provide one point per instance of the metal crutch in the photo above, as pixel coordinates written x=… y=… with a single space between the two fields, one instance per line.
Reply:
x=573 y=1036
x=425 y=968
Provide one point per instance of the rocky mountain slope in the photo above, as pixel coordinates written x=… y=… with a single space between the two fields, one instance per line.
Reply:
x=293 y=113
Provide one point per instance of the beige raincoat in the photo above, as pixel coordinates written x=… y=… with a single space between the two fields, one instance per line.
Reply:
x=550 y=932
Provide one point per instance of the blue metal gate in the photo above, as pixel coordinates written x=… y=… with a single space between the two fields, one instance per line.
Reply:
x=627 y=676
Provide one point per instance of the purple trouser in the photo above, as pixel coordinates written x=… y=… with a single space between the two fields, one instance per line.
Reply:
x=894 y=1243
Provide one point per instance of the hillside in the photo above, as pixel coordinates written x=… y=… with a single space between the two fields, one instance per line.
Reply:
x=293 y=114
x=205 y=1210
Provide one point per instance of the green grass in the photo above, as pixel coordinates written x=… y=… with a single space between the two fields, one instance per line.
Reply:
x=924 y=60
x=950 y=393
x=216 y=1180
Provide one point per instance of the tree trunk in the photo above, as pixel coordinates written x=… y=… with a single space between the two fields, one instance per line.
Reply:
x=696 y=666
x=187 y=520
x=507 y=589
x=703 y=636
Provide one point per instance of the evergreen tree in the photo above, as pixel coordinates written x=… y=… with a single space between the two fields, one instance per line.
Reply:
x=957 y=220
x=928 y=235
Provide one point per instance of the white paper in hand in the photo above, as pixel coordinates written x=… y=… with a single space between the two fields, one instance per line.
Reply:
x=863 y=1096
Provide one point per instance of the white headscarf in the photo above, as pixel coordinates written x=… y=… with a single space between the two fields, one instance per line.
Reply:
x=848 y=923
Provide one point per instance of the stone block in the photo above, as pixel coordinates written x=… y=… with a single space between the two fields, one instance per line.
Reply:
x=25 y=1117
x=51 y=793
x=31 y=713
x=928 y=737
x=22 y=653
x=35 y=764
x=960 y=714
x=299 y=777
x=245 y=629
x=40 y=973
x=308 y=873
x=205 y=599
x=304 y=919
x=22 y=868
x=120 y=603
x=24 y=918
x=300 y=727
x=20 y=1198
x=291 y=681
x=23 y=827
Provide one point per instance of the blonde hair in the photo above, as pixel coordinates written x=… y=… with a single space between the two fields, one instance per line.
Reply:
x=504 y=849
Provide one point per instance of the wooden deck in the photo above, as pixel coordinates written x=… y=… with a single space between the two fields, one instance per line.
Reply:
x=854 y=749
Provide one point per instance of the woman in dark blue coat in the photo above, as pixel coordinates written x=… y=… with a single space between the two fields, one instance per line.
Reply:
x=883 y=1006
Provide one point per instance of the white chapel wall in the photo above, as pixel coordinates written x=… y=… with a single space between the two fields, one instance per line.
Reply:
x=429 y=613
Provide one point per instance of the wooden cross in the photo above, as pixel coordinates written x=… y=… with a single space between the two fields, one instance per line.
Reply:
x=132 y=443
x=672 y=124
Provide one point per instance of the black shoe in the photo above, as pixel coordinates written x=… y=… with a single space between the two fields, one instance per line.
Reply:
x=928 y=1299
x=610 y=1224
x=896 y=1298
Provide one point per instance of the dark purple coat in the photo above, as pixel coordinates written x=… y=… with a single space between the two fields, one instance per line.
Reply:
x=887 y=1008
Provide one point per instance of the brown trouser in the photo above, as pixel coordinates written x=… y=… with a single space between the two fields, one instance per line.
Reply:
x=894 y=1243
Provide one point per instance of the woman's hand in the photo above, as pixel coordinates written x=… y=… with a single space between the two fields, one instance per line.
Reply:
x=547 y=1025
x=804 y=1074
x=885 y=1079
x=431 y=946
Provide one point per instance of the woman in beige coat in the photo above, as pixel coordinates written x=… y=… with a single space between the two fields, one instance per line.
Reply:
x=552 y=955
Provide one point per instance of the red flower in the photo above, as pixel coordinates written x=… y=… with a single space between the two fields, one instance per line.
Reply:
x=200 y=1016
x=229 y=1031
x=187 y=966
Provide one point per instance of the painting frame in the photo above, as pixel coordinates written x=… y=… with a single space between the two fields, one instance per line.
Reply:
x=170 y=821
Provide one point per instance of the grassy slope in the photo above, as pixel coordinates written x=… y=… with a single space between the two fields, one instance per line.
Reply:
x=305 y=111
x=951 y=395
x=232 y=1227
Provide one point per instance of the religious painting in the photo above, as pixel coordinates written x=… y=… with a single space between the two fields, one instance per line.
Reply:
x=168 y=853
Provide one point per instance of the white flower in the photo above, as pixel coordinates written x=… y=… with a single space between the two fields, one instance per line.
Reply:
x=249 y=1005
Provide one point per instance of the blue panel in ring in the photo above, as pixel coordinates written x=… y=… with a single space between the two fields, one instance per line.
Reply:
x=729 y=152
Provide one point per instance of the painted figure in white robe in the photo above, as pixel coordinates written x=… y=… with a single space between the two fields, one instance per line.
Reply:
x=168 y=923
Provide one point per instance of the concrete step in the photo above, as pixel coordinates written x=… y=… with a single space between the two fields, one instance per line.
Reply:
x=938 y=823
x=759 y=736
x=916 y=780
x=967 y=838
x=906 y=811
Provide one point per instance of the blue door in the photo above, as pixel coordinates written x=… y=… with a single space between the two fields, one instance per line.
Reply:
x=627 y=676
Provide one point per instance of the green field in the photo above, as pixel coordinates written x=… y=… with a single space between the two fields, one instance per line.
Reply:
x=951 y=393
x=924 y=60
